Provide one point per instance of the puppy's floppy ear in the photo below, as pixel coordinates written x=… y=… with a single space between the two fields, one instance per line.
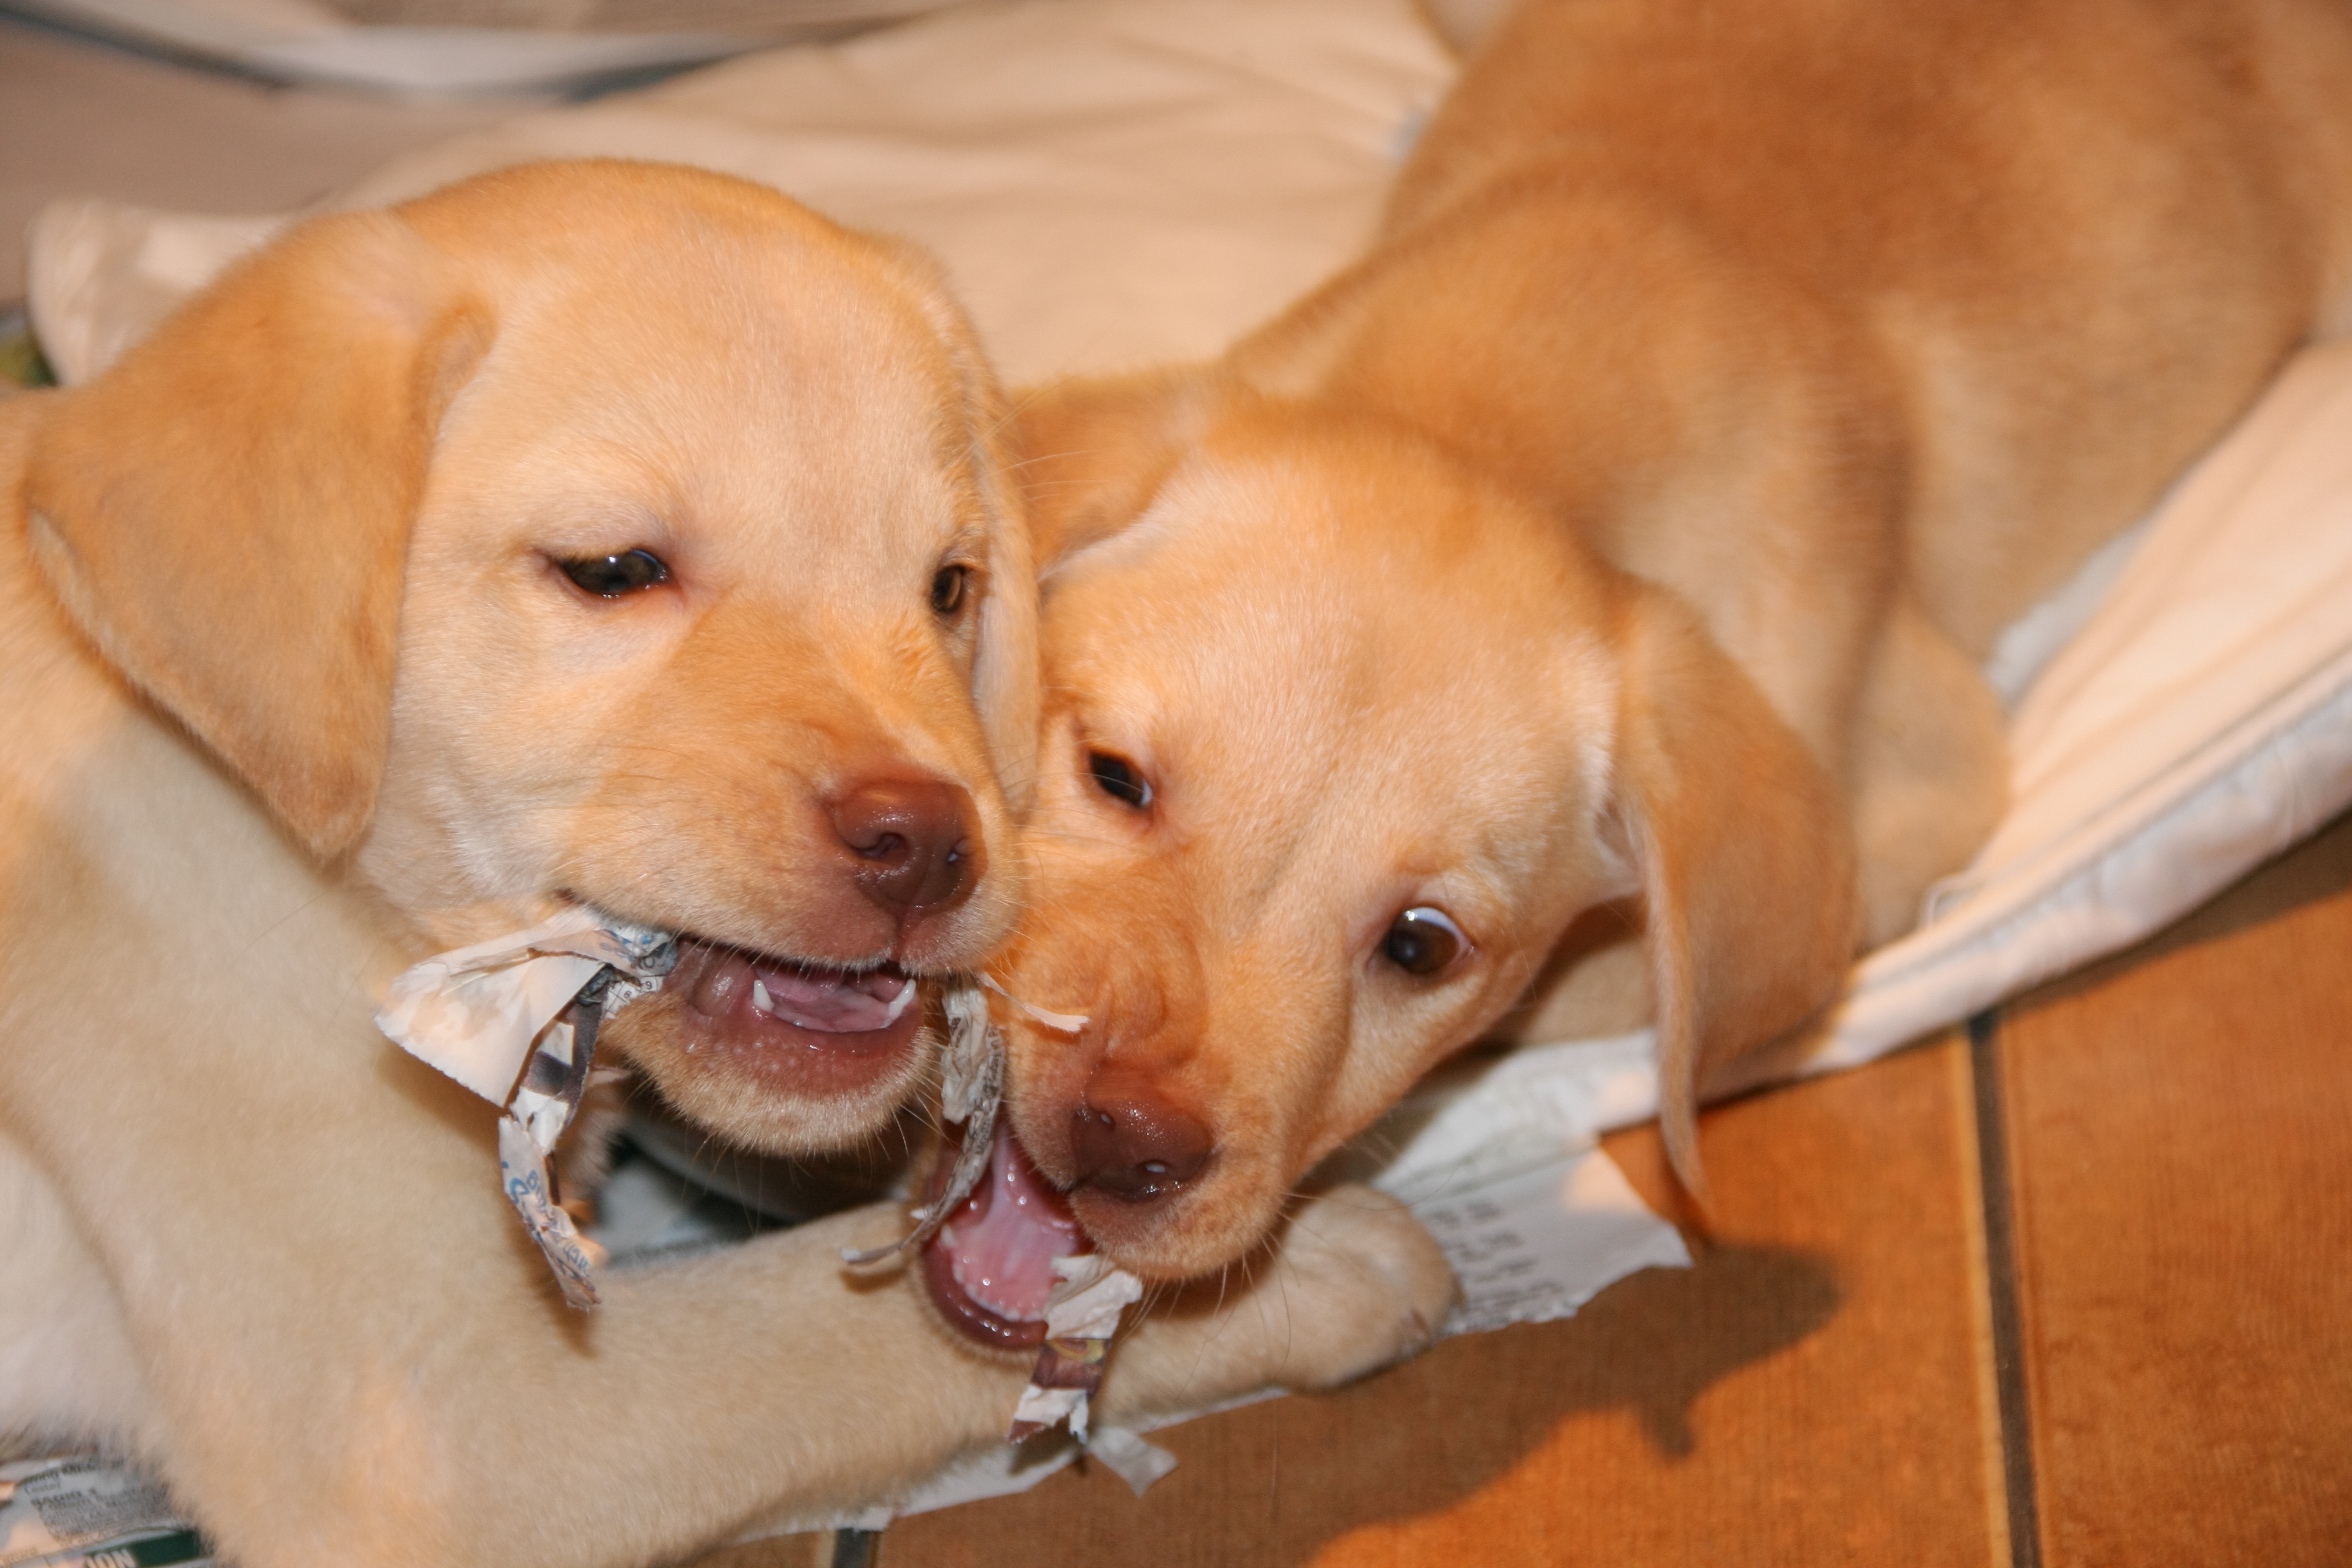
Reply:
x=1745 y=858
x=1005 y=663
x=225 y=513
x=1005 y=660
x=1095 y=451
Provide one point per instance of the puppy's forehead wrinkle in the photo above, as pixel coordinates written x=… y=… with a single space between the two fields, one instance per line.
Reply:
x=738 y=394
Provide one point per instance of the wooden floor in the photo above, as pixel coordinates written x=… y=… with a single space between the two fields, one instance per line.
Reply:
x=2074 y=1288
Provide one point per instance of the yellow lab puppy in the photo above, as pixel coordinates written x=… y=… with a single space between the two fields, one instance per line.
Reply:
x=601 y=533
x=1620 y=539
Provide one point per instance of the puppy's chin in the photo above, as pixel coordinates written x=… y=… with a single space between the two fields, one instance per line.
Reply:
x=767 y=1084
x=989 y=1273
x=1187 y=1235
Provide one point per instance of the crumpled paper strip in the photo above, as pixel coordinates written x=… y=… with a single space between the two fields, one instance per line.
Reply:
x=523 y=1174
x=473 y=1012
x=972 y=1087
x=489 y=1016
x=1082 y=1310
x=1081 y=1317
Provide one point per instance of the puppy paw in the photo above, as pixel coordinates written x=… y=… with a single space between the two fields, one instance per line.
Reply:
x=1363 y=1284
x=1353 y=1284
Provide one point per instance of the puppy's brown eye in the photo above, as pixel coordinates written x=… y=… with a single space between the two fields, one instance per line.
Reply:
x=1119 y=779
x=949 y=589
x=612 y=576
x=1423 y=942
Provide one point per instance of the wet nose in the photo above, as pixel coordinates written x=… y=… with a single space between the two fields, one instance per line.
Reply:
x=914 y=847
x=1131 y=1142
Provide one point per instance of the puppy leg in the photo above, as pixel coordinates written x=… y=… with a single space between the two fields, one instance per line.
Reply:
x=1354 y=1283
x=1930 y=780
x=1930 y=770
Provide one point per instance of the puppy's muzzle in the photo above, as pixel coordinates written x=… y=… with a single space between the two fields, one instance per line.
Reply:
x=915 y=852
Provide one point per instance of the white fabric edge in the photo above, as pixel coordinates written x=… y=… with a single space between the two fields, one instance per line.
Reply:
x=296 y=42
x=2271 y=780
x=2278 y=777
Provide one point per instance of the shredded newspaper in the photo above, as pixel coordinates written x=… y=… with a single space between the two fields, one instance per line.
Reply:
x=90 y=1512
x=972 y=1088
x=515 y=1020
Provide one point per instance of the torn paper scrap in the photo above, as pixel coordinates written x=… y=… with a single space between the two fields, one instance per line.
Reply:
x=1060 y=1023
x=554 y=1083
x=523 y=1172
x=1041 y=1409
x=972 y=1059
x=1503 y=1164
x=493 y=1016
x=1537 y=1244
x=1093 y=1292
x=972 y=1088
x=474 y=1012
x=1081 y=1317
x=1130 y=1458
x=84 y=1510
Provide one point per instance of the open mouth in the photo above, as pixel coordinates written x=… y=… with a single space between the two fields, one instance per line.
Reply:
x=804 y=1024
x=991 y=1267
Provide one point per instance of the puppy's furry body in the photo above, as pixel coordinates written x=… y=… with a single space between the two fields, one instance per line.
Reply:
x=1630 y=524
x=283 y=592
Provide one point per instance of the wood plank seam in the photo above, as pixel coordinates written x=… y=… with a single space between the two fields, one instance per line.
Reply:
x=1992 y=1451
x=2001 y=1288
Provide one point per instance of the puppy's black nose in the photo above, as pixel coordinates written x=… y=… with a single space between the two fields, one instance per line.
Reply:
x=915 y=850
x=1130 y=1140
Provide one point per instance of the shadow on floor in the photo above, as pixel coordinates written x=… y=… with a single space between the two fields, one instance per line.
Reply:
x=1271 y=1484
x=1662 y=1338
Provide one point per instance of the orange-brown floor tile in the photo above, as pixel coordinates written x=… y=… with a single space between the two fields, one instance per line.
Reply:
x=777 y=1552
x=2180 y=1128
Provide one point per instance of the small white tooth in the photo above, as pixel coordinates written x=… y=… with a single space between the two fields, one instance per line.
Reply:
x=898 y=1003
x=947 y=1235
x=759 y=997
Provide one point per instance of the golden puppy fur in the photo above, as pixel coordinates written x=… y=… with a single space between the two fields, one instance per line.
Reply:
x=298 y=691
x=1620 y=540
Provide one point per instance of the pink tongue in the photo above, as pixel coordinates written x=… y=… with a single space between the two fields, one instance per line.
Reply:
x=1003 y=1240
x=830 y=1000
